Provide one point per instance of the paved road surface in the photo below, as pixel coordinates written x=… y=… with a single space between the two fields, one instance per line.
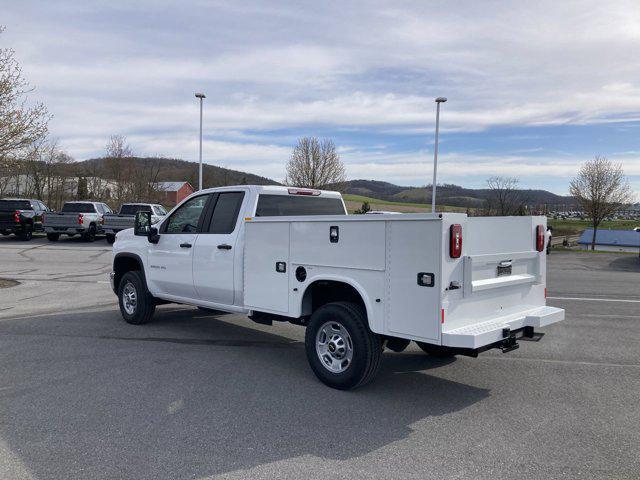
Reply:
x=84 y=395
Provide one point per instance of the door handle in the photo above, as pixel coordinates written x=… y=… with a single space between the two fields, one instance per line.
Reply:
x=224 y=246
x=185 y=245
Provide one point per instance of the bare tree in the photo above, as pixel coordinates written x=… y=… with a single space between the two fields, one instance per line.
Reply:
x=20 y=125
x=601 y=189
x=505 y=198
x=117 y=162
x=314 y=164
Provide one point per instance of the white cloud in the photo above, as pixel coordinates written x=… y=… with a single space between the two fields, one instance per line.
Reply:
x=133 y=68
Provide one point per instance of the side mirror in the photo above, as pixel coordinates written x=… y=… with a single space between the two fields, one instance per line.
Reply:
x=142 y=227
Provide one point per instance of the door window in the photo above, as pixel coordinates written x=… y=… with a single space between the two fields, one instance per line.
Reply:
x=225 y=213
x=186 y=218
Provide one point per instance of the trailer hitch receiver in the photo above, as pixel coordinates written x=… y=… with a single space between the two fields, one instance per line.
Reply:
x=509 y=342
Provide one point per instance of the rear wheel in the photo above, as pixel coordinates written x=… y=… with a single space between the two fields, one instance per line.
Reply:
x=53 y=237
x=341 y=350
x=435 y=350
x=27 y=233
x=4 y=233
x=111 y=238
x=137 y=306
x=90 y=236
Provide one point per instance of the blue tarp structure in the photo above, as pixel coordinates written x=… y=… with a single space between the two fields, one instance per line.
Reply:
x=617 y=238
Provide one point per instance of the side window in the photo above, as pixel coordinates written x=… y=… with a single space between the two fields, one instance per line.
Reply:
x=226 y=212
x=107 y=209
x=99 y=208
x=185 y=219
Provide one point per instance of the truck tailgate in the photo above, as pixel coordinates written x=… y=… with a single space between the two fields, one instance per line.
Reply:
x=61 y=220
x=118 y=222
x=501 y=280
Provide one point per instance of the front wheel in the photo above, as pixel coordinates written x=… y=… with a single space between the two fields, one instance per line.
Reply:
x=137 y=306
x=341 y=350
x=110 y=238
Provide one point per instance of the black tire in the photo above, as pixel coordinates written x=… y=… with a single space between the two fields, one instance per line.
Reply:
x=4 y=233
x=90 y=236
x=435 y=350
x=110 y=238
x=27 y=233
x=144 y=305
x=366 y=346
x=53 y=237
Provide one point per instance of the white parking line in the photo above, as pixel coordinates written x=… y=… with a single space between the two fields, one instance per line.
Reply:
x=595 y=299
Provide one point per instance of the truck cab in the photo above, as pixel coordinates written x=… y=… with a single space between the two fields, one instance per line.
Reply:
x=358 y=283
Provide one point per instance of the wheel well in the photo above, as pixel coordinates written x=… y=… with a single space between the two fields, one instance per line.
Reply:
x=322 y=292
x=124 y=264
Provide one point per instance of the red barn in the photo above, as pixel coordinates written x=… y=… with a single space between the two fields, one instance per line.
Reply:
x=175 y=191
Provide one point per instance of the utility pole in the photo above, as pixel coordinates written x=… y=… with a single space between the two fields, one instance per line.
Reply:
x=201 y=96
x=439 y=100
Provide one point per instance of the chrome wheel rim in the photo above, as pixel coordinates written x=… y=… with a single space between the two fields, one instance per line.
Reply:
x=334 y=347
x=129 y=298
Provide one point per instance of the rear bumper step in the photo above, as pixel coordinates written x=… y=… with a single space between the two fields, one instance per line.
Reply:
x=492 y=332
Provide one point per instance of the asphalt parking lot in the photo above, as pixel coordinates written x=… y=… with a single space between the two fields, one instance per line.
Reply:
x=84 y=395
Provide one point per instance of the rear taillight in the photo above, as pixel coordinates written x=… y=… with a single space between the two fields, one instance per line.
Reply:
x=80 y=218
x=540 y=238
x=16 y=216
x=455 y=240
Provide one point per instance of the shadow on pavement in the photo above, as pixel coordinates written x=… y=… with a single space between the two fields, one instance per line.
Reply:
x=88 y=396
x=626 y=263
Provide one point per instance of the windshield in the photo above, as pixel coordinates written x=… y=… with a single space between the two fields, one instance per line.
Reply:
x=75 y=207
x=133 y=209
x=295 y=205
x=15 y=205
x=159 y=209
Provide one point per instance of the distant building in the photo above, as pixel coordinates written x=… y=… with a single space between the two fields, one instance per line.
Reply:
x=175 y=191
x=612 y=240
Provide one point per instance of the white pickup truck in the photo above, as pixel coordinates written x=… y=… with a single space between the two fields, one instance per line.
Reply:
x=360 y=283
x=83 y=218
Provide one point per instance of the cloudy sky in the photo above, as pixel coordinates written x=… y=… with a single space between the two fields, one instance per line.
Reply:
x=534 y=87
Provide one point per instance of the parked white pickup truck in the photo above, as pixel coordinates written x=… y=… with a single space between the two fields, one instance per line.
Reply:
x=360 y=283
x=84 y=218
x=115 y=222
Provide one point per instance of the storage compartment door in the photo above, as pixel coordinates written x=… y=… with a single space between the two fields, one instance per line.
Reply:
x=413 y=247
x=265 y=288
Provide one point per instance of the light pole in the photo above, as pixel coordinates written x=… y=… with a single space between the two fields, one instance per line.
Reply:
x=439 y=100
x=201 y=96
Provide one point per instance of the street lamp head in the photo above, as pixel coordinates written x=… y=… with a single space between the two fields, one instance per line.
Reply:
x=441 y=99
x=200 y=95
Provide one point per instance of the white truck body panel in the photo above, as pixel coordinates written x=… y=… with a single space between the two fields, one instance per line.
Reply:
x=381 y=257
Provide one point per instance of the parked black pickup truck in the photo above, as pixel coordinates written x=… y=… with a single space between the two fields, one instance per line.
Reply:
x=21 y=217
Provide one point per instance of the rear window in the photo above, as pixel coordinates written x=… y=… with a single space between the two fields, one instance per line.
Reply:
x=294 y=205
x=133 y=209
x=78 y=208
x=15 y=205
